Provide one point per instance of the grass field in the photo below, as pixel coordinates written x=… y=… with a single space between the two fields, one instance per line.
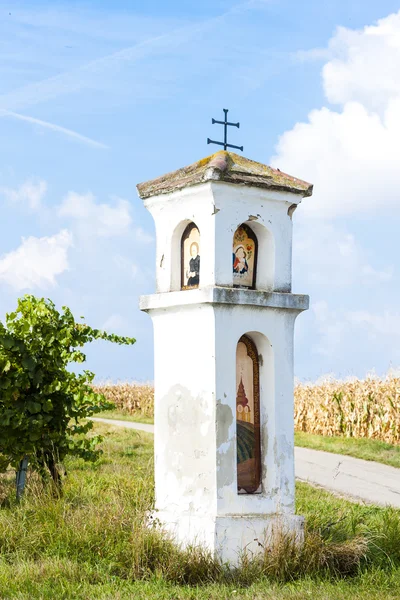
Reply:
x=124 y=415
x=92 y=544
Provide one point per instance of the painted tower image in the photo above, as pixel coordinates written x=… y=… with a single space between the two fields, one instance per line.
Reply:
x=223 y=317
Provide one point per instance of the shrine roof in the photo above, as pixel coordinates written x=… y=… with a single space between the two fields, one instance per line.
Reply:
x=230 y=168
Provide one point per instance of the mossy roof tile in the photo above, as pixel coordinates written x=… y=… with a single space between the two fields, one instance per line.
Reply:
x=228 y=167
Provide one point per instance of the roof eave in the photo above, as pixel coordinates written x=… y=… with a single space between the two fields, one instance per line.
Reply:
x=147 y=191
x=225 y=167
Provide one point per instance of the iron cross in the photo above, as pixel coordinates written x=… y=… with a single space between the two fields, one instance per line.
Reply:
x=225 y=124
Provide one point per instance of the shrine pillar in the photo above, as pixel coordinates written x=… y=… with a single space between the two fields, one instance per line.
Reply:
x=223 y=319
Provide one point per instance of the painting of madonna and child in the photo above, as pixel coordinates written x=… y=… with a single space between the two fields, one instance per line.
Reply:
x=244 y=257
x=190 y=257
x=248 y=418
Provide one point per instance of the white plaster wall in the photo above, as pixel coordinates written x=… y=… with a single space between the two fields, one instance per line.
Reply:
x=266 y=212
x=272 y=332
x=185 y=449
x=218 y=208
x=171 y=214
x=195 y=408
x=175 y=244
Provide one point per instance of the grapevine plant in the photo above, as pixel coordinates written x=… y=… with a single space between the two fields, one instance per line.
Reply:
x=43 y=404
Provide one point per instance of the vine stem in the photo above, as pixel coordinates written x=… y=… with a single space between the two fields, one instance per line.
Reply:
x=21 y=477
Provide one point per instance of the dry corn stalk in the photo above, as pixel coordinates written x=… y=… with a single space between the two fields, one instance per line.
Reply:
x=129 y=397
x=368 y=408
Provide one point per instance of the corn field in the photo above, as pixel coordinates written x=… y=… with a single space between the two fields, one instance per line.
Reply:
x=367 y=408
x=131 y=398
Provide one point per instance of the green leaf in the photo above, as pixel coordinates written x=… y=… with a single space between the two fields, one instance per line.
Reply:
x=7 y=367
x=29 y=363
x=33 y=407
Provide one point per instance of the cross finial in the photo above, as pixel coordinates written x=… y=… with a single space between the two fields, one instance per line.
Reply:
x=225 y=124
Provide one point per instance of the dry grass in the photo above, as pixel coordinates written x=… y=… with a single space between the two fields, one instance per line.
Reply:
x=367 y=408
x=284 y=559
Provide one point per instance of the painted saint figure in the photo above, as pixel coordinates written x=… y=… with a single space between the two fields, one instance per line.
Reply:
x=244 y=257
x=190 y=257
x=239 y=261
x=193 y=272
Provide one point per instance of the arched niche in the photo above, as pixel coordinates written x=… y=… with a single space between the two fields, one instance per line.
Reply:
x=190 y=257
x=263 y=275
x=244 y=257
x=248 y=440
x=174 y=264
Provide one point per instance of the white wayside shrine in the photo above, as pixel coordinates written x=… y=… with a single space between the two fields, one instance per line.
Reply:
x=223 y=316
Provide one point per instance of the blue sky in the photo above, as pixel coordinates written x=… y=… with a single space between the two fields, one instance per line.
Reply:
x=98 y=96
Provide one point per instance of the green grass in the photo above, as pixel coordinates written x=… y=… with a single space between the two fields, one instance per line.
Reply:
x=364 y=448
x=92 y=543
x=122 y=415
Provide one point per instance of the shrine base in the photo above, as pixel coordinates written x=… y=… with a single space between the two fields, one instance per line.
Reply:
x=229 y=537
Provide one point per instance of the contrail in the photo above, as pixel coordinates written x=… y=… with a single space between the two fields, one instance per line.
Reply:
x=69 y=81
x=53 y=127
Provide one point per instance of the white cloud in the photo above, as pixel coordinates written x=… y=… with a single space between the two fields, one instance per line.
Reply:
x=340 y=329
x=30 y=193
x=386 y=324
x=365 y=64
x=36 y=262
x=328 y=255
x=351 y=155
x=94 y=218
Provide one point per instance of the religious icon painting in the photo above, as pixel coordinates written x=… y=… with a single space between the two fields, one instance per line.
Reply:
x=190 y=257
x=248 y=417
x=244 y=257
